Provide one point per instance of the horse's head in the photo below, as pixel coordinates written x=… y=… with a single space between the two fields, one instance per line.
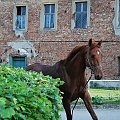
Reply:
x=94 y=57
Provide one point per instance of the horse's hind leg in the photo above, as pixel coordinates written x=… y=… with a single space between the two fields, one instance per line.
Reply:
x=66 y=104
x=87 y=100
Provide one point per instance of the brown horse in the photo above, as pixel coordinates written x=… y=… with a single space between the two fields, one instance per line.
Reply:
x=72 y=71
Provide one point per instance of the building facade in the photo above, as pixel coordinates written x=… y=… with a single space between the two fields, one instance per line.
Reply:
x=47 y=30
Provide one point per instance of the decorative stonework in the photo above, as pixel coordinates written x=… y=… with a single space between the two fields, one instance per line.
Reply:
x=23 y=47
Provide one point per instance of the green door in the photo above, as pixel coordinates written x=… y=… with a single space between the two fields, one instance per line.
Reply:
x=18 y=61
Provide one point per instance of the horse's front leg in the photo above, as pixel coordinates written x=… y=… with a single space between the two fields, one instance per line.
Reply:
x=66 y=105
x=87 y=100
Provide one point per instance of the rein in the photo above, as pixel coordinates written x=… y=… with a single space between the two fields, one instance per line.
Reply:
x=92 y=71
x=81 y=92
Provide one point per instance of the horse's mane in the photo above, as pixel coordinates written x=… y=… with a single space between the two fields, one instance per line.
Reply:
x=74 y=52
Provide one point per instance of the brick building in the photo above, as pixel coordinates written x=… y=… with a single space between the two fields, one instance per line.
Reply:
x=47 y=30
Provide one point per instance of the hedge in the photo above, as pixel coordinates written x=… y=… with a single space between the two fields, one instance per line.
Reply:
x=26 y=95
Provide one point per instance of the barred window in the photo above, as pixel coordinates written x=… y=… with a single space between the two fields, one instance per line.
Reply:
x=21 y=17
x=49 y=15
x=81 y=15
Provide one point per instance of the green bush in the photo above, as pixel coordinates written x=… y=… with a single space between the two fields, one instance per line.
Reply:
x=97 y=100
x=28 y=95
x=103 y=96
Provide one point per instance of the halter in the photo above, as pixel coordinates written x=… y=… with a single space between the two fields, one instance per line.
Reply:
x=88 y=64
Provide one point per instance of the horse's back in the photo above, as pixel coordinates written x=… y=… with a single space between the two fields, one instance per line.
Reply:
x=45 y=69
x=35 y=67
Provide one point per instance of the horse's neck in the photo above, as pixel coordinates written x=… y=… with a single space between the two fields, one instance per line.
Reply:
x=76 y=66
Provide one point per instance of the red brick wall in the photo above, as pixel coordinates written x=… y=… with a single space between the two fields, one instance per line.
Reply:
x=101 y=28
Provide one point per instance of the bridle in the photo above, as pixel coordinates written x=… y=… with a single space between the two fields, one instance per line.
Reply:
x=88 y=64
x=81 y=92
x=92 y=68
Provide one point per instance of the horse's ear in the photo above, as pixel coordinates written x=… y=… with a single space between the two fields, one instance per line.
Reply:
x=99 y=43
x=90 y=42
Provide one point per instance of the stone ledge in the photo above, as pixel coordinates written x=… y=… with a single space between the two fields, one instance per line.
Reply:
x=104 y=84
x=107 y=106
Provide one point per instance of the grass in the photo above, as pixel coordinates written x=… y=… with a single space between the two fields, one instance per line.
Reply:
x=103 y=96
x=104 y=92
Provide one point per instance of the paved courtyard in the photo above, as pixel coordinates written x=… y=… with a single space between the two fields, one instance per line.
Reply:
x=103 y=114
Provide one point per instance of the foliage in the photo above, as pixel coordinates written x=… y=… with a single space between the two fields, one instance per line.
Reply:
x=105 y=96
x=28 y=95
x=97 y=100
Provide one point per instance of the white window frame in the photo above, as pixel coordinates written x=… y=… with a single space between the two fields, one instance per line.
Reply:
x=74 y=10
x=116 y=17
x=42 y=18
x=15 y=18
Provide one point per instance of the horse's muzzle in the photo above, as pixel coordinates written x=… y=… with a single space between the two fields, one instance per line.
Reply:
x=98 y=73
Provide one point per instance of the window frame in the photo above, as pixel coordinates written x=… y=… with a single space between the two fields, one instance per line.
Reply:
x=81 y=12
x=49 y=14
x=74 y=11
x=15 y=18
x=20 y=18
x=117 y=13
x=42 y=18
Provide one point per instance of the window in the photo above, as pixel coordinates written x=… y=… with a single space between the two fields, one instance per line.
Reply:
x=119 y=15
x=20 y=18
x=81 y=14
x=116 y=20
x=49 y=15
x=18 y=61
x=48 y=18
